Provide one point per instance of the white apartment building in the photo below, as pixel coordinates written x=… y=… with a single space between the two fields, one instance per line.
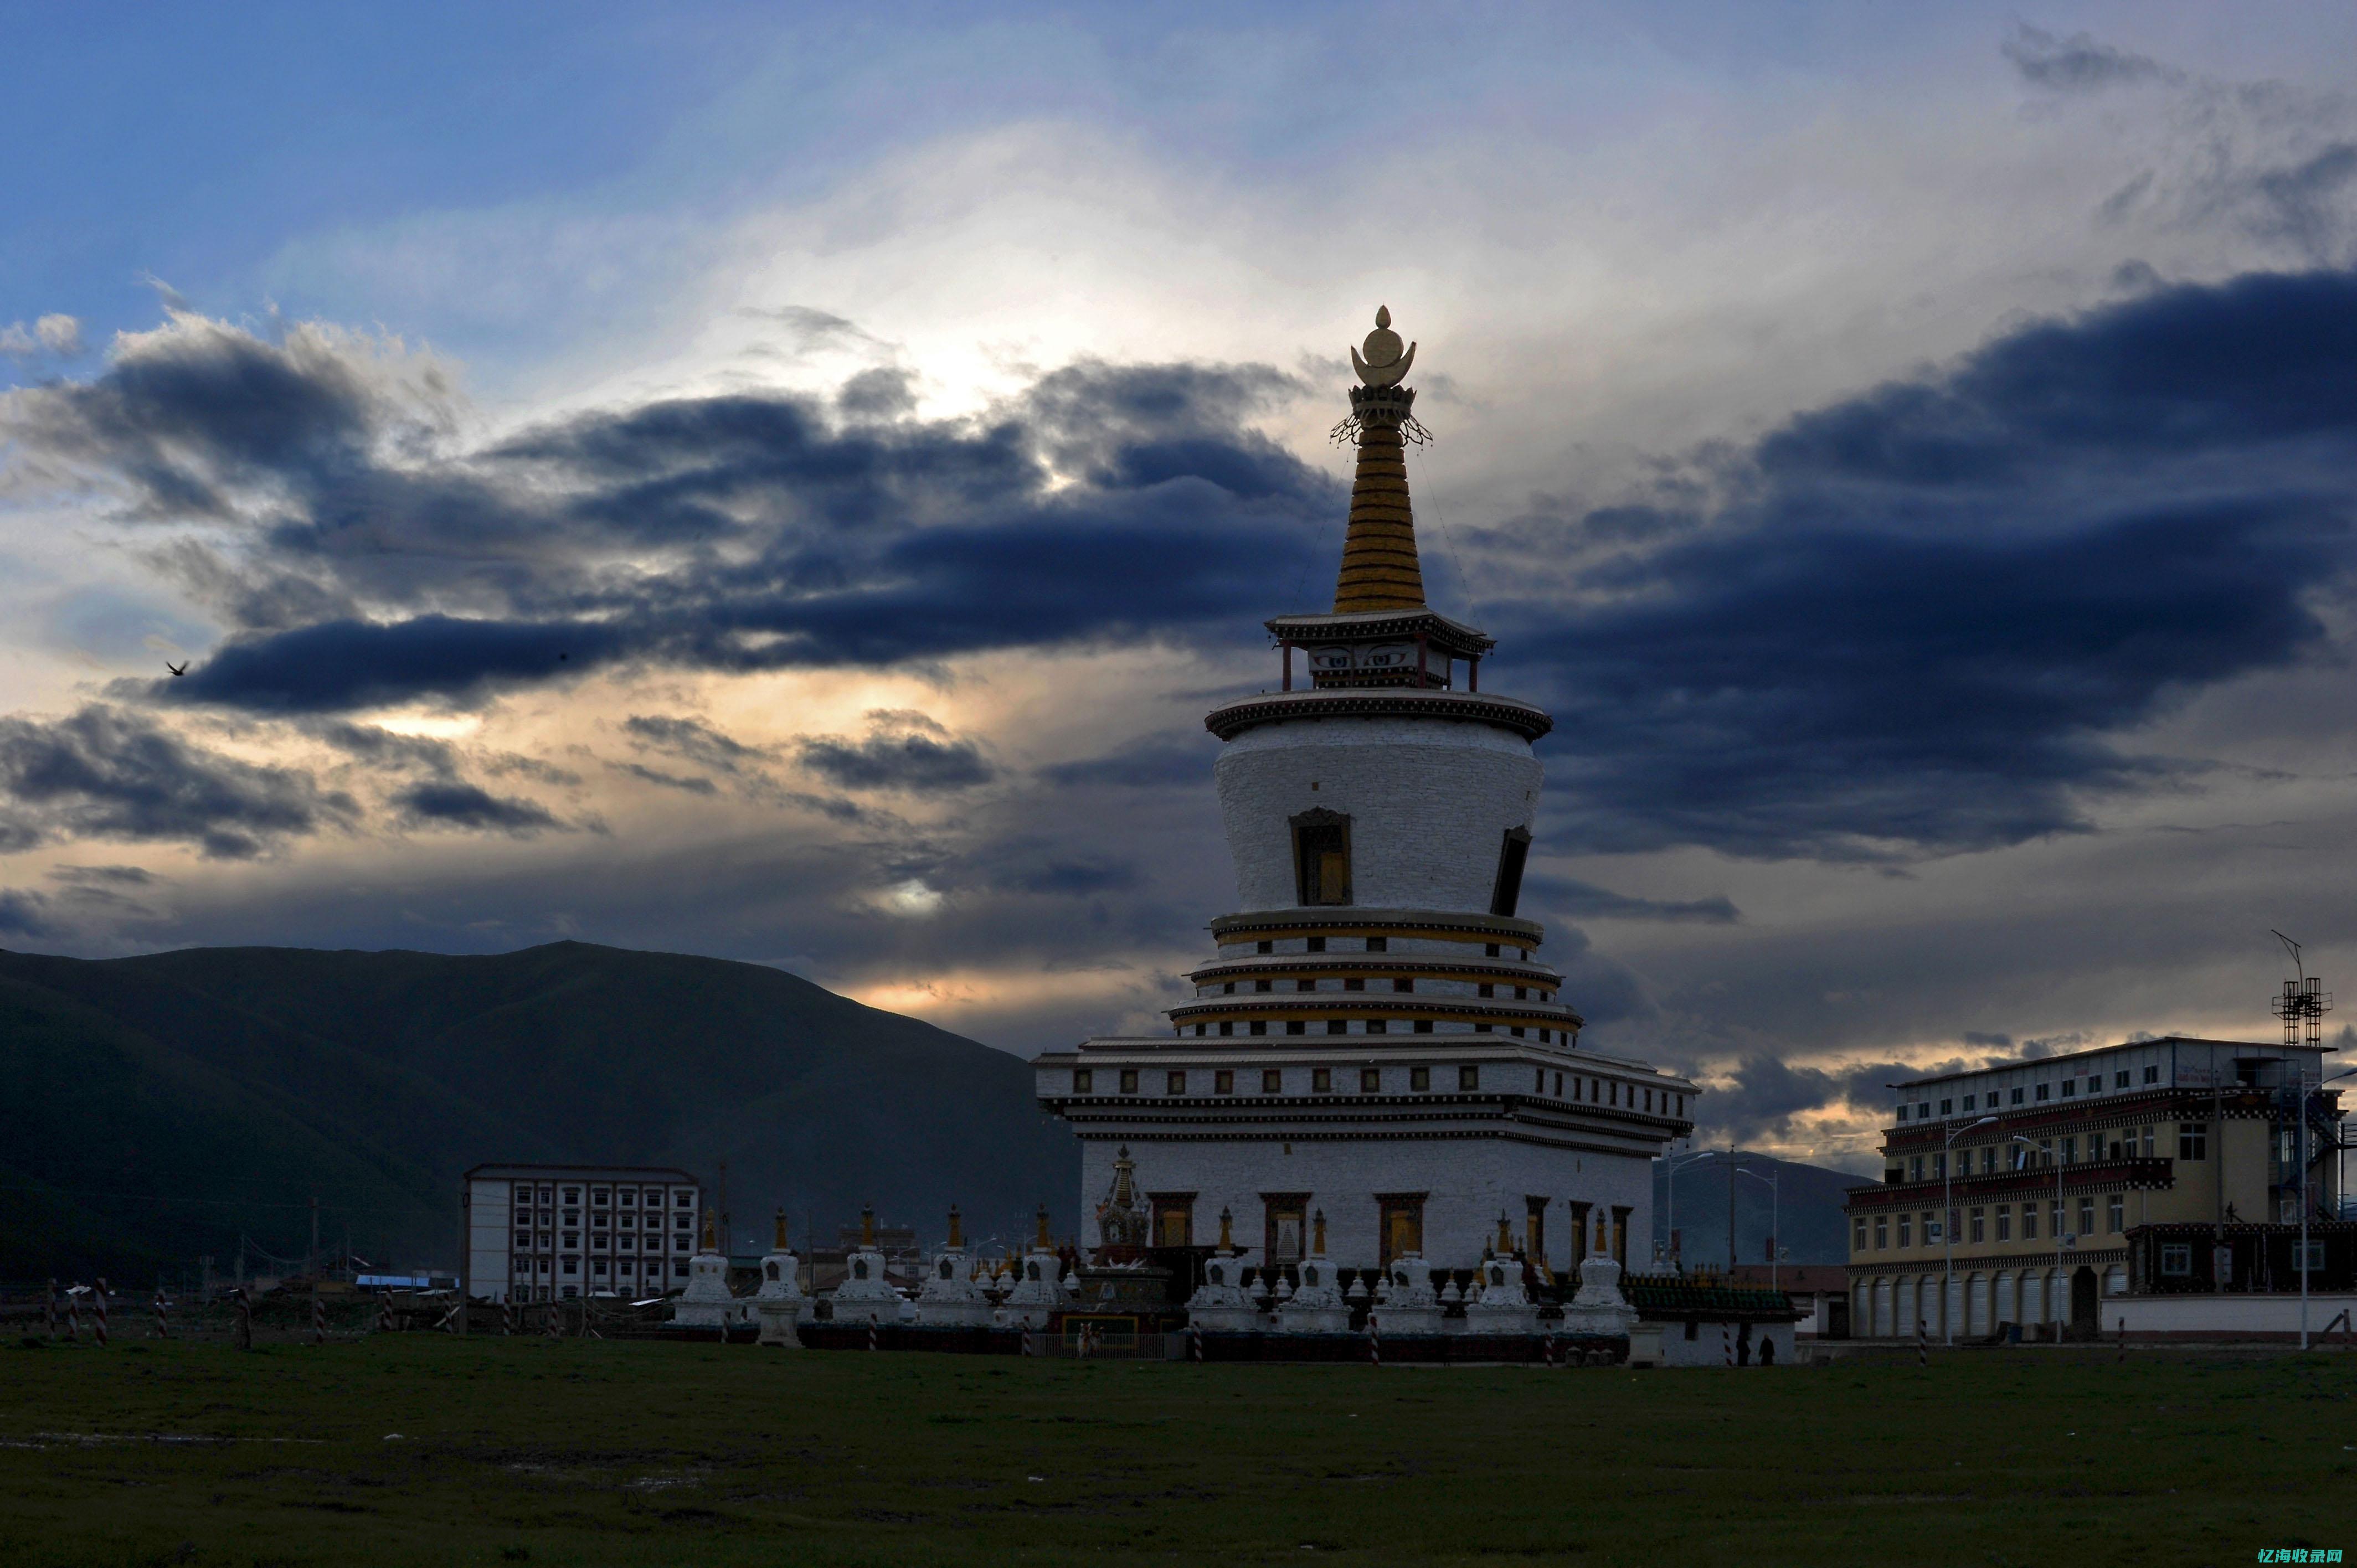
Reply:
x=554 y=1232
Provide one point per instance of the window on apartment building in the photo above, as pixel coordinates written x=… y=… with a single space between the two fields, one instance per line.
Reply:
x=1939 y=1166
x=1371 y=1080
x=1338 y=1026
x=1915 y=1168
x=1858 y=1234
x=678 y=1268
x=1174 y=1083
x=627 y=1198
x=1468 y=1078
x=1263 y=986
x=1881 y=1231
x=1264 y=946
x=2120 y=1078
x=2115 y=1214
x=1906 y=1230
x=1968 y=1104
x=1516 y=1031
x=2030 y=1222
x=1202 y=1029
x=1491 y=951
x=1978 y=1219
x=1947 y=1107
x=1506 y=892
x=1355 y=983
x=2147 y=1142
x=2152 y=1074
x=2176 y=1260
x=1988 y=1160
x=2192 y=1141
x=2095 y=1083
x=1228 y=1029
x=1482 y=1028
x=2070 y=1087
x=2054 y=1215
x=1272 y=1082
x=2069 y=1151
x=1296 y=1026
x=1083 y=1080
x=1223 y=1081
x=1313 y=944
x=1423 y=1027
x=601 y=1198
x=2017 y=1097
x=1558 y=1086
x=1304 y=986
x=2086 y=1217
x=2005 y=1222
x=1321 y=1080
x=1485 y=989
x=1257 y=1027
x=1379 y=1027
x=1129 y=1080
x=1419 y=1078
x=2044 y=1091
x=1403 y=984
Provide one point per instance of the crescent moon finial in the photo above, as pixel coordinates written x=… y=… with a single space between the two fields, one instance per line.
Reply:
x=1386 y=358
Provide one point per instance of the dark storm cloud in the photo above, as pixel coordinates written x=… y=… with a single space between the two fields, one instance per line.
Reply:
x=687 y=782
x=2078 y=63
x=1108 y=504
x=450 y=804
x=693 y=740
x=918 y=763
x=20 y=914
x=1913 y=622
x=1158 y=762
x=1585 y=901
x=103 y=773
x=1767 y=1093
x=1934 y=603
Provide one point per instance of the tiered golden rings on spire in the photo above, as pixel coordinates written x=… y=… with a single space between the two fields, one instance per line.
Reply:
x=1380 y=569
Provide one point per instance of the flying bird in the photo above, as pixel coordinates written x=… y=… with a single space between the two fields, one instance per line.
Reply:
x=179 y=669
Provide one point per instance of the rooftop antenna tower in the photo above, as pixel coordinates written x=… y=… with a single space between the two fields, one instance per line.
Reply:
x=2304 y=1001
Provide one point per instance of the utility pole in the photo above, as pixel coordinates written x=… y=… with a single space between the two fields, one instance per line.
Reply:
x=1730 y=1210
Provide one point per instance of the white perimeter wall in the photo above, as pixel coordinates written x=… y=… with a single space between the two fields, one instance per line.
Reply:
x=2225 y=1316
x=1429 y=804
x=1468 y=1182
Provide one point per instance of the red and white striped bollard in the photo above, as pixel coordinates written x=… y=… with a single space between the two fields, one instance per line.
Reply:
x=101 y=1315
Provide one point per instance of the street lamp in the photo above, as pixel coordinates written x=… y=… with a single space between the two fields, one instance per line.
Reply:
x=2059 y=1279
x=2304 y=1092
x=1948 y=1231
x=1775 y=1220
x=1670 y=1199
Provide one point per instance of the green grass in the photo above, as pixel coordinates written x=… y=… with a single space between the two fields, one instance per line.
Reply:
x=588 y=1452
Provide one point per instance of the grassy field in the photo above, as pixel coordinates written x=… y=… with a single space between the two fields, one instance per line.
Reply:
x=417 y=1449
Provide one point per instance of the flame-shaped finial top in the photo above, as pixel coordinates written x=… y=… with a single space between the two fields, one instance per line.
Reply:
x=1382 y=361
x=781 y=1230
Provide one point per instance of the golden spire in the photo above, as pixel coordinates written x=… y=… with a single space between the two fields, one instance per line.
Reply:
x=1227 y=1241
x=711 y=1243
x=781 y=1245
x=1317 y=1243
x=1379 y=570
x=957 y=1228
x=867 y=1226
x=1044 y=1243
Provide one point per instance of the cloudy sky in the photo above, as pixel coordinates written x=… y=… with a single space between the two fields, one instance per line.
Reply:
x=787 y=485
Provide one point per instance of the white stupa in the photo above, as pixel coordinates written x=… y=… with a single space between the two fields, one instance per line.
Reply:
x=1405 y=1302
x=865 y=1293
x=779 y=1304
x=1220 y=1303
x=707 y=1302
x=1501 y=1304
x=1376 y=1035
x=1317 y=1305
x=1599 y=1307
x=949 y=1297
x=1038 y=1290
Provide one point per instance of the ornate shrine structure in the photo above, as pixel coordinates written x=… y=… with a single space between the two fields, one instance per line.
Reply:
x=1376 y=1037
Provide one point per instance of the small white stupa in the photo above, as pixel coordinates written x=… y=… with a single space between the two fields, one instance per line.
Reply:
x=865 y=1293
x=1599 y=1307
x=1406 y=1302
x=1039 y=1286
x=951 y=1298
x=1501 y=1305
x=1316 y=1306
x=1220 y=1303
x=779 y=1303
x=706 y=1302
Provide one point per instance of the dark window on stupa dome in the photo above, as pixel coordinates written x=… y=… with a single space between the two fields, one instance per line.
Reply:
x=1321 y=857
x=1507 y=891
